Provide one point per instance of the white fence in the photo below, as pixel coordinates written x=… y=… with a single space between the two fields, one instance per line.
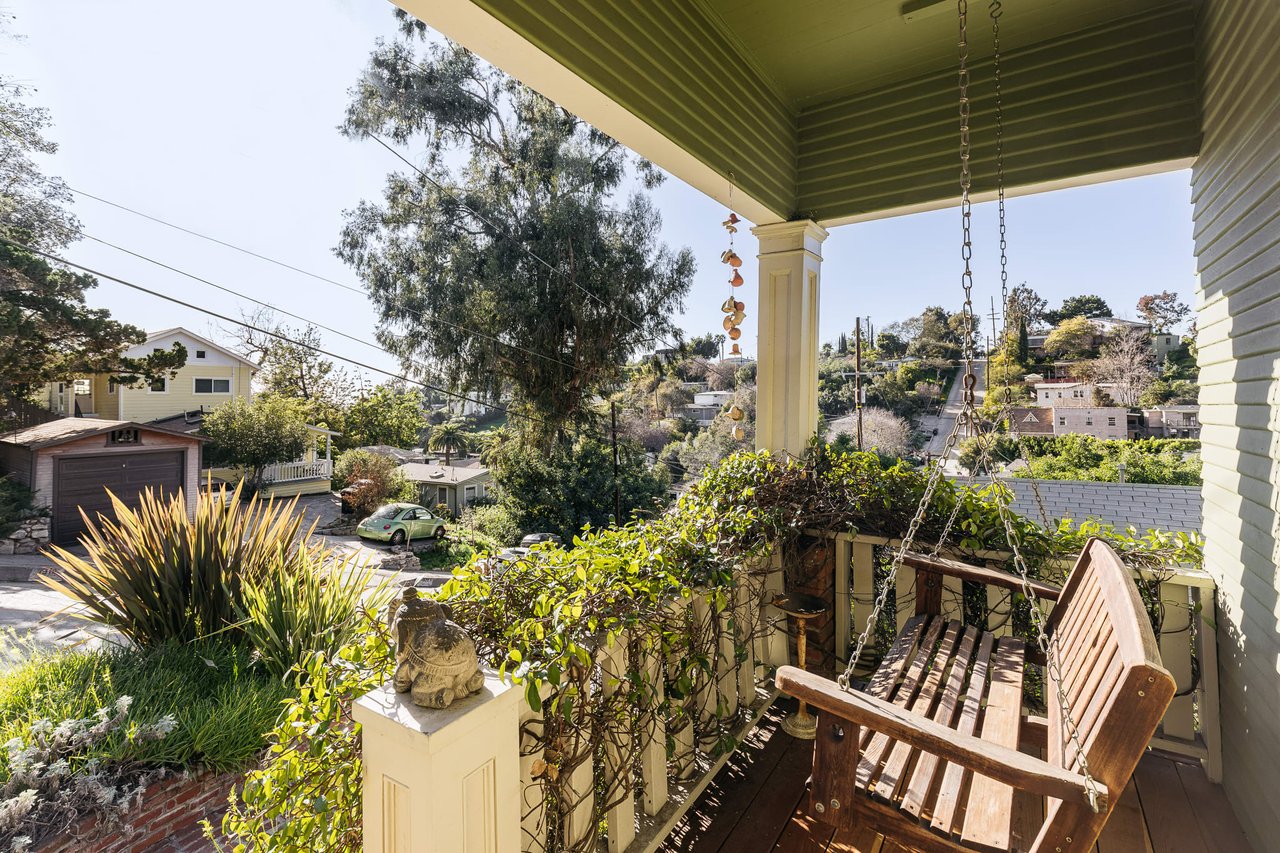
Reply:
x=321 y=469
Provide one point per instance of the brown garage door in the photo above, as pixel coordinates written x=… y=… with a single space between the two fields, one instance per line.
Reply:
x=81 y=482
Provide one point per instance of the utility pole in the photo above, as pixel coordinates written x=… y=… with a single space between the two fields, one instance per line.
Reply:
x=617 y=493
x=857 y=378
x=987 y=372
x=994 y=339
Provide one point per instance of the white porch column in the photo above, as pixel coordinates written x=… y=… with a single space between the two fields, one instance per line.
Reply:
x=787 y=374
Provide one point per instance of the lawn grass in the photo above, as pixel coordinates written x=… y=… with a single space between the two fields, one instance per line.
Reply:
x=224 y=703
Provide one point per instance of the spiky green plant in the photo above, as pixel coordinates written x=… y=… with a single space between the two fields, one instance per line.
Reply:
x=308 y=605
x=157 y=574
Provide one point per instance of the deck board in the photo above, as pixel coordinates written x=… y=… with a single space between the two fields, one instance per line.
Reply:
x=758 y=805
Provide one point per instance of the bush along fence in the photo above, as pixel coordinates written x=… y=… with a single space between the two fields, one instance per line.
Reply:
x=625 y=667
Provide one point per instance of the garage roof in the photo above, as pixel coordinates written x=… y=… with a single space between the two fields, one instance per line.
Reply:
x=449 y=475
x=64 y=430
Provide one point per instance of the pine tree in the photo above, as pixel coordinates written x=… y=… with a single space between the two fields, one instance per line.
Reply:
x=1024 y=346
x=842 y=344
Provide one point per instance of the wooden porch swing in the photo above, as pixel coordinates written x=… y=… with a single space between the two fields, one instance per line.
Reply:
x=935 y=752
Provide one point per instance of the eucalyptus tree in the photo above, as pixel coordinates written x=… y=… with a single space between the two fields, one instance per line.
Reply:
x=520 y=252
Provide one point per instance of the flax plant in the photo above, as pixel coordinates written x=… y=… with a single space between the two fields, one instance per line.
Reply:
x=156 y=574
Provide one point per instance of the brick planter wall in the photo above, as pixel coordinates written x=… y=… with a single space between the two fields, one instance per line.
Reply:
x=168 y=820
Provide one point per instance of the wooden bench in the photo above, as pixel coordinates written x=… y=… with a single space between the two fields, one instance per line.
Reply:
x=937 y=753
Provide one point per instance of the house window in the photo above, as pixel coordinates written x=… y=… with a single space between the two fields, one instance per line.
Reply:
x=1062 y=421
x=1111 y=421
x=123 y=436
x=1030 y=419
x=1088 y=420
x=159 y=386
x=111 y=385
x=199 y=353
x=469 y=494
x=213 y=386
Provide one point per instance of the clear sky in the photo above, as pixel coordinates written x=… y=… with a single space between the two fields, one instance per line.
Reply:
x=222 y=118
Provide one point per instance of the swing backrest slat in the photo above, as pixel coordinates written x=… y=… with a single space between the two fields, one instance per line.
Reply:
x=1117 y=690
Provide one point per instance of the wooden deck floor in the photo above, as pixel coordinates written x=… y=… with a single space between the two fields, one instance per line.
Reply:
x=753 y=806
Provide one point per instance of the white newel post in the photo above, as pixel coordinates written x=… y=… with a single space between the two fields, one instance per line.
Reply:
x=442 y=781
x=787 y=374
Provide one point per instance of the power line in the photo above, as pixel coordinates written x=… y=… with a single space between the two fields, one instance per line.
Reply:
x=233 y=292
x=271 y=333
x=299 y=270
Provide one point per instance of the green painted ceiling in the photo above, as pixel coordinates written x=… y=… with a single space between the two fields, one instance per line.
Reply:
x=815 y=50
x=841 y=109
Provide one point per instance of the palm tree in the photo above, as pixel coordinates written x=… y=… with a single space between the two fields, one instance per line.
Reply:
x=451 y=437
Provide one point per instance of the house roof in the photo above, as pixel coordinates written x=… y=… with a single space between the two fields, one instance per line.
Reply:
x=1171 y=508
x=64 y=430
x=448 y=475
x=182 y=330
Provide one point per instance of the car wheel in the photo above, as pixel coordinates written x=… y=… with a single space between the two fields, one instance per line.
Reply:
x=439 y=534
x=397 y=538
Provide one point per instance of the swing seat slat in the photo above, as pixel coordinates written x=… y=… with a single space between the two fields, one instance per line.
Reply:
x=937 y=753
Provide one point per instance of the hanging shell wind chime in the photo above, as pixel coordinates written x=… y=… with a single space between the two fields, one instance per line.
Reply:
x=734 y=314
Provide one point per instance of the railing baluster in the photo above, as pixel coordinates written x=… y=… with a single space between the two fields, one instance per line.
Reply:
x=533 y=800
x=726 y=665
x=620 y=819
x=653 y=751
x=744 y=625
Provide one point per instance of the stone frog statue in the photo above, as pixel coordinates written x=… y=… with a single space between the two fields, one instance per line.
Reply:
x=436 y=659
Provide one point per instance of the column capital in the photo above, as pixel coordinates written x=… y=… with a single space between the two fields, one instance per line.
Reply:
x=800 y=235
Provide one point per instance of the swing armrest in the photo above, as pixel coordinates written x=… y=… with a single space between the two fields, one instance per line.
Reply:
x=965 y=571
x=1022 y=771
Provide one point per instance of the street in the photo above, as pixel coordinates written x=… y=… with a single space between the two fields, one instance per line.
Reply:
x=943 y=423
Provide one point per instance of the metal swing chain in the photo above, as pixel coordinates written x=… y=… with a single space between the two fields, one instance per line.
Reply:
x=1047 y=645
x=967 y=413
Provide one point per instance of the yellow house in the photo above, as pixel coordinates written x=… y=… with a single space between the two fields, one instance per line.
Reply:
x=213 y=375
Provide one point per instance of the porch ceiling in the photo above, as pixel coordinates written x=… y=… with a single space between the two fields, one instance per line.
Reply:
x=840 y=111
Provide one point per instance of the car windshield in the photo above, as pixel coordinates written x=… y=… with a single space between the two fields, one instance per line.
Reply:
x=388 y=512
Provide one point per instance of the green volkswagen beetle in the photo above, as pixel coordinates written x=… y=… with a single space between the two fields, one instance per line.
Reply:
x=398 y=523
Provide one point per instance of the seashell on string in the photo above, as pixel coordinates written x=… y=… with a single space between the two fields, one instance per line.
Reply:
x=738 y=433
x=736 y=413
x=736 y=281
x=728 y=323
x=735 y=350
x=732 y=220
x=738 y=317
x=739 y=306
x=729 y=306
x=735 y=333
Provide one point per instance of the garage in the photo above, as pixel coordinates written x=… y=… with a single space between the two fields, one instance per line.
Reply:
x=83 y=483
x=71 y=463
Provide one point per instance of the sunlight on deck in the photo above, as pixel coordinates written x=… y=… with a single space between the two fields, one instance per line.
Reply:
x=754 y=806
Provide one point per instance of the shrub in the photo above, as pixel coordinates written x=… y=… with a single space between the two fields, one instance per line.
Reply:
x=307 y=605
x=16 y=503
x=52 y=783
x=246 y=573
x=492 y=521
x=223 y=704
x=307 y=793
x=156 y=574
x=384 y=482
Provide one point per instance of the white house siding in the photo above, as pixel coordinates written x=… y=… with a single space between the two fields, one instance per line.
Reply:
x=1236 y=194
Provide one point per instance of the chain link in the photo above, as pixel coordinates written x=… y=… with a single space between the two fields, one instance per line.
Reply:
x=967 y=416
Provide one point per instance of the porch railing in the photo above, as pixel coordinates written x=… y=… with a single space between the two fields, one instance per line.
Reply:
x=284 y=472
x=620 y=776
